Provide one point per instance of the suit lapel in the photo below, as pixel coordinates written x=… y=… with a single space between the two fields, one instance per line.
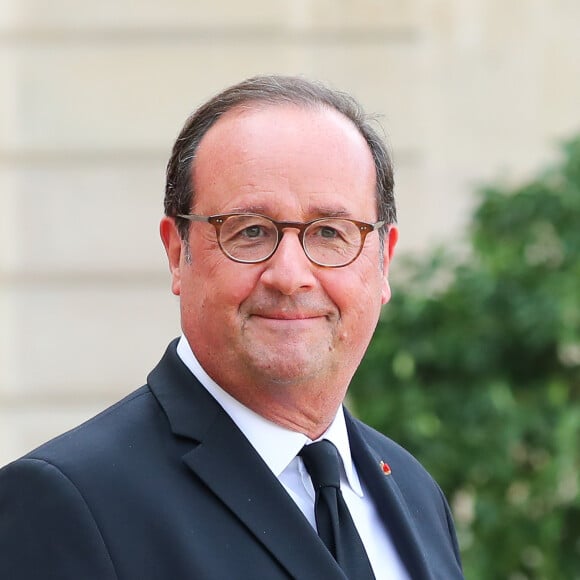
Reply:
x=231 y=468
x=390 y=503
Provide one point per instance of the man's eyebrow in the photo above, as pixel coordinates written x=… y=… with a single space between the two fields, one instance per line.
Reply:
x=329 y=211
x=252 y=208
x=314 y=211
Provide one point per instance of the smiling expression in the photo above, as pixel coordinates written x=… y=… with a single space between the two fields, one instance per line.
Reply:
x=283 y=336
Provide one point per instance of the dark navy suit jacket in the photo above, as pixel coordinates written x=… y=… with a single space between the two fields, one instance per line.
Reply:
x=163 y=485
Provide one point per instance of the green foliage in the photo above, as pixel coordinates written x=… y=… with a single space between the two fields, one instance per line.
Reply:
x=475 y=368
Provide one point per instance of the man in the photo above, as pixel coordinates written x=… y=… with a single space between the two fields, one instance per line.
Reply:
x=279 y=231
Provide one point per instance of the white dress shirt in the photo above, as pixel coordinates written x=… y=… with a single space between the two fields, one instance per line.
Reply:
x=279 y=448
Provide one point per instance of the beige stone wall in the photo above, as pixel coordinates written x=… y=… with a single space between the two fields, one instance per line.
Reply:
x=93 y=93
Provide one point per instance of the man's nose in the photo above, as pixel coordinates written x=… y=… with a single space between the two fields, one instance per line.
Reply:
x=289 y=270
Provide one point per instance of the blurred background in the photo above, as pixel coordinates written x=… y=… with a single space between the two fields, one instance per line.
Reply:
x=476 y=98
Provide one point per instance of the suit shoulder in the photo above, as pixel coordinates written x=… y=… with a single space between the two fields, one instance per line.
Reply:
x=113 y=427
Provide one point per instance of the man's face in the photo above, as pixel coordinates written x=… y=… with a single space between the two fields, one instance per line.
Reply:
x=284 y=327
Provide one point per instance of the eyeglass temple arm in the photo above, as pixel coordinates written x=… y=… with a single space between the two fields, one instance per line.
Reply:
x=193 y=218
x=377 y=225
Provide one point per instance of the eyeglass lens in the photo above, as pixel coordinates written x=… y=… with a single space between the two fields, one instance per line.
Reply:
x=328 y=242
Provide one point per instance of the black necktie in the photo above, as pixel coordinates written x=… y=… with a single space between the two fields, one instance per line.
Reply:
x=333 y=520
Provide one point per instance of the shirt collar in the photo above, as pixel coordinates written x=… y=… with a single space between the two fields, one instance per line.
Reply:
x=275 y=444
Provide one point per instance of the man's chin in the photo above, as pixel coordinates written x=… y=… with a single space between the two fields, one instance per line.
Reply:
x=287 y=366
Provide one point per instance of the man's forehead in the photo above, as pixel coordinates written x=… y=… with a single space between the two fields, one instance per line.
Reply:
x=280 y=131
x=246 y=128
x=282 y=149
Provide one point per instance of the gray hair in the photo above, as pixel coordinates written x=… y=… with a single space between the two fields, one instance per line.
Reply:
x=272 y=90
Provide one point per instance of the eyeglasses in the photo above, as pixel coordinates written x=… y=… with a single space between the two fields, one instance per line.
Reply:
x=252 y=238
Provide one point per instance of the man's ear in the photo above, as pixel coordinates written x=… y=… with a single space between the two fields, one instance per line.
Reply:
x=174 y=249
x=390 y=243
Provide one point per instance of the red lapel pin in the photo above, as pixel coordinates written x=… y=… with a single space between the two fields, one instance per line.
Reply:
x=385 y=467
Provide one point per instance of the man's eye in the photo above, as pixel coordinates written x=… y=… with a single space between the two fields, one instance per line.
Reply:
x=252 y=232
x=327 y=232
x=324 y=232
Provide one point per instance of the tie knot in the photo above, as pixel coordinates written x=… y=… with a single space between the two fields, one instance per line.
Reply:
x=322 y=462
